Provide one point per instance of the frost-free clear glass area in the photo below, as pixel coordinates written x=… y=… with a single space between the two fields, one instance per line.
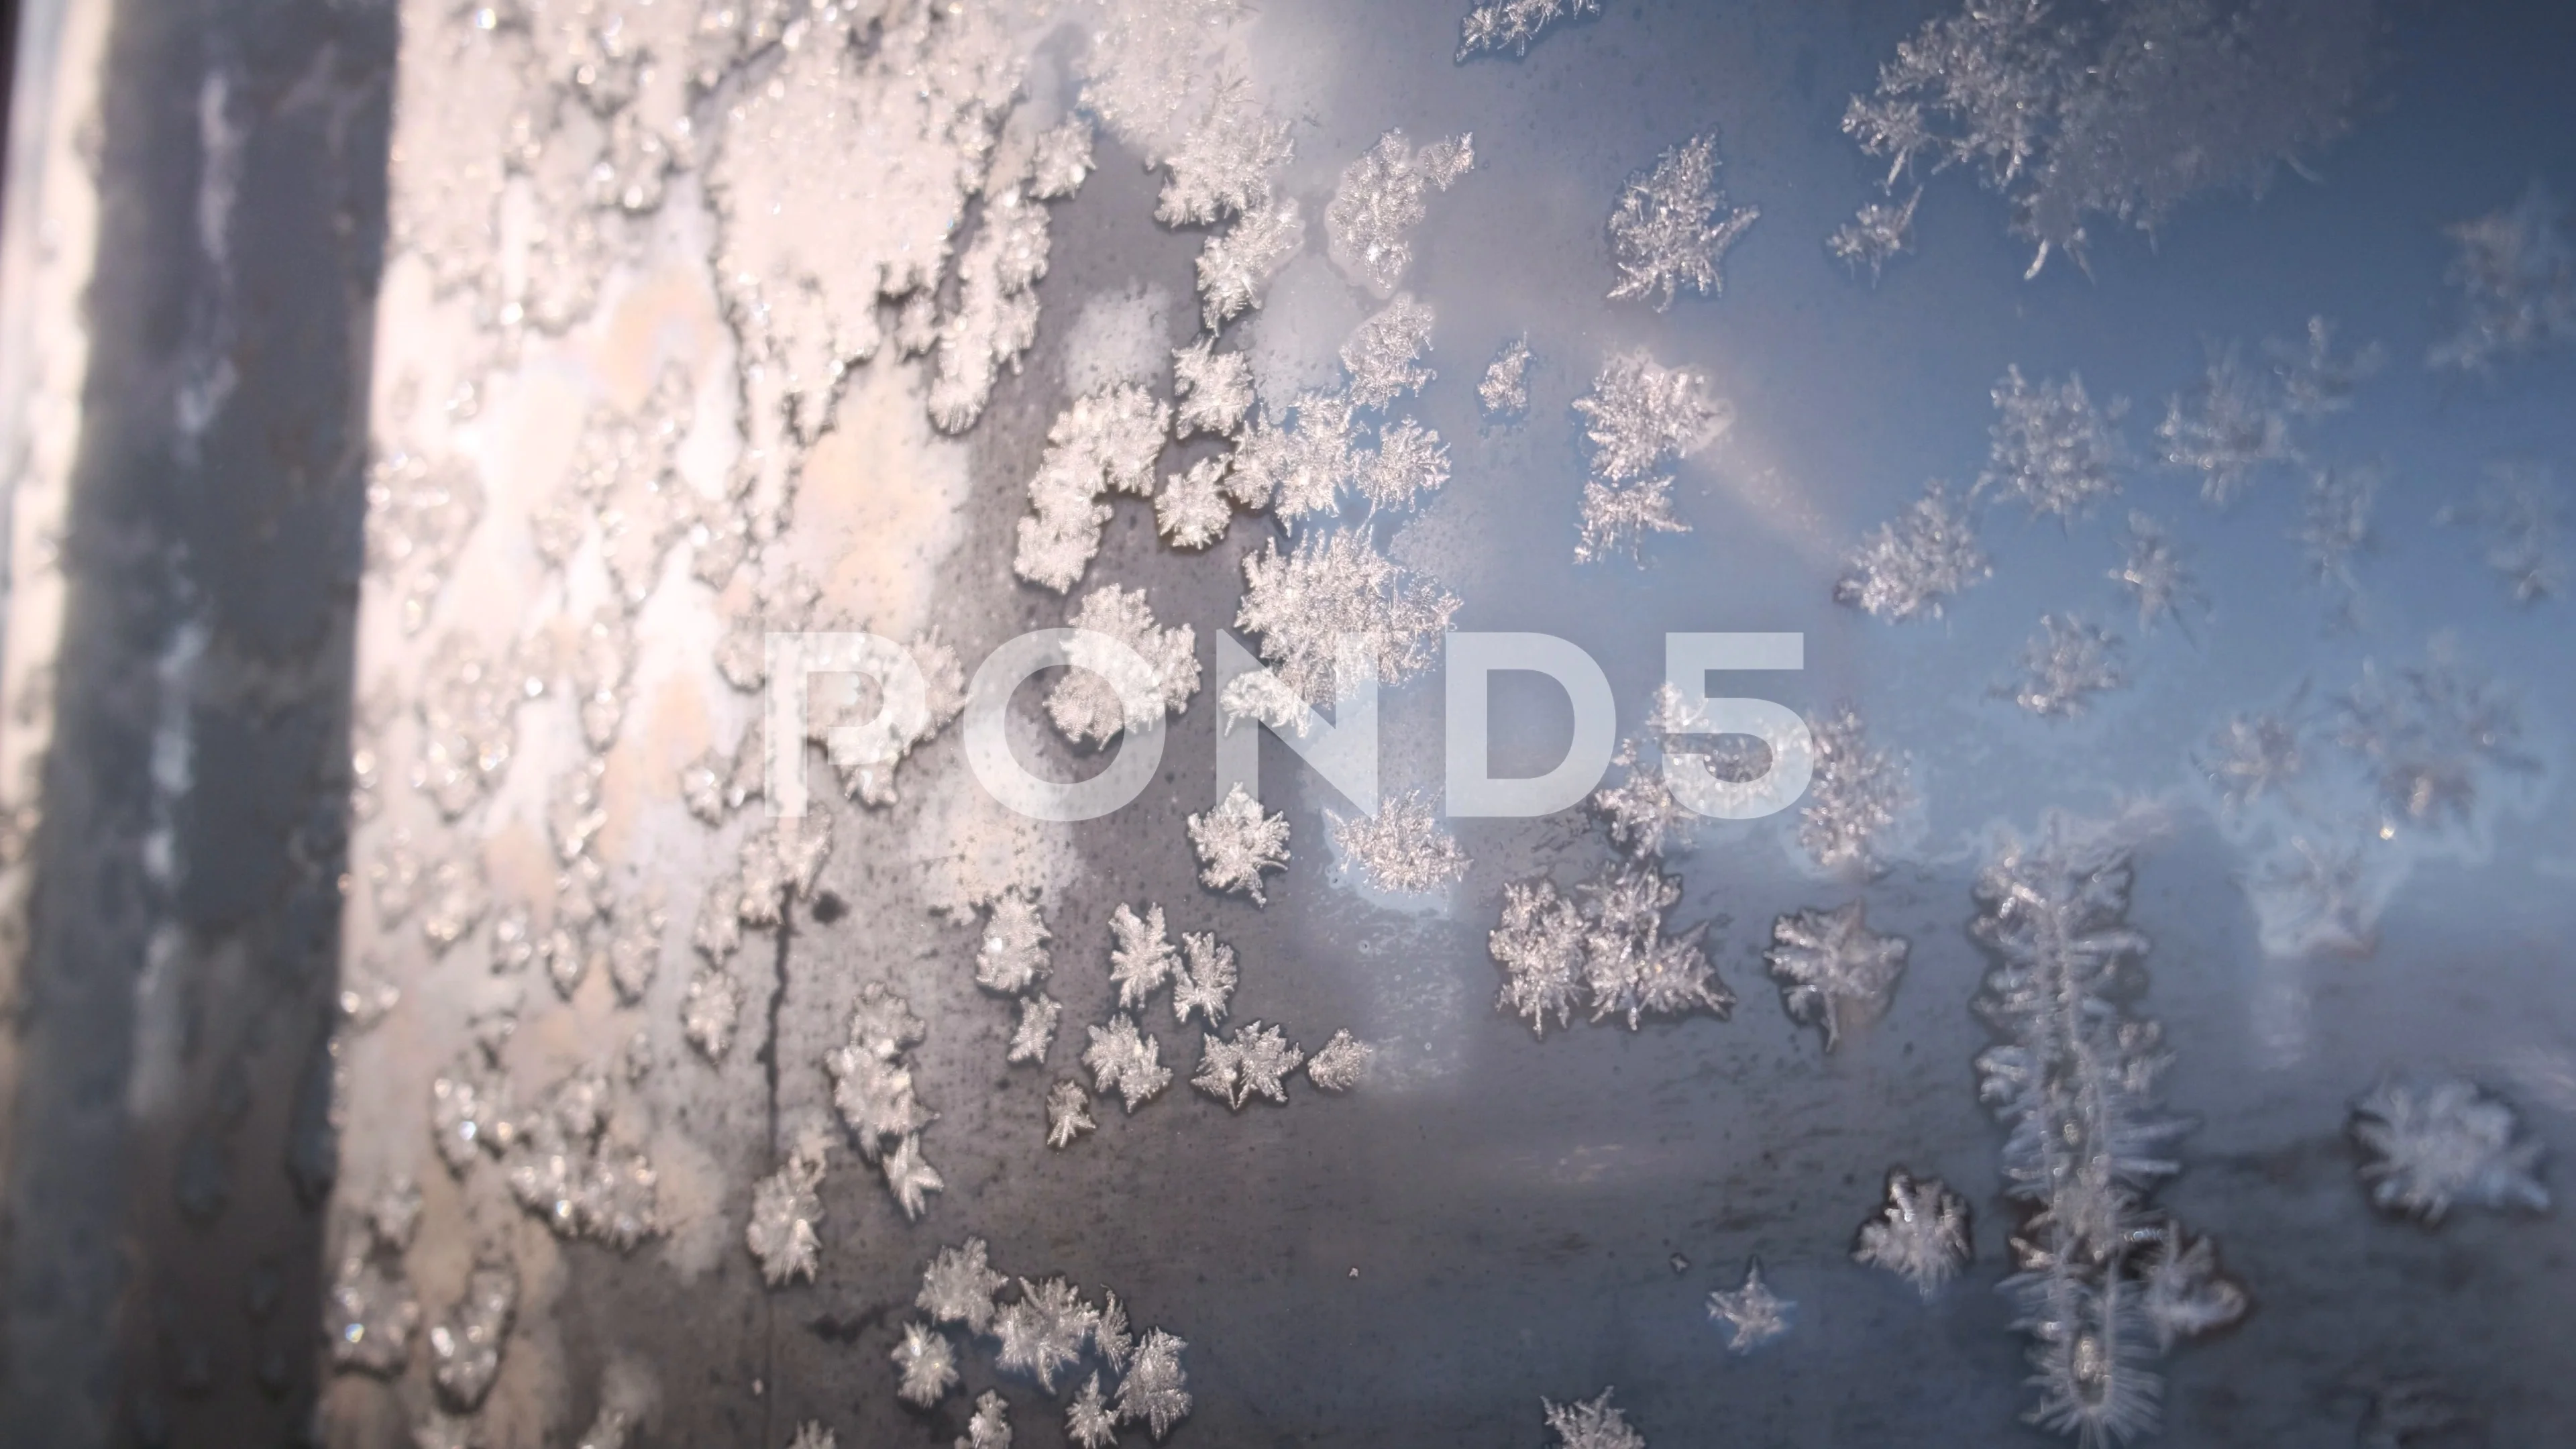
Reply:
x=2152 y=1022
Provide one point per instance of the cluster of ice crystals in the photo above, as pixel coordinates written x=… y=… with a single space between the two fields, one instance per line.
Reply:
x=780 y=862
x=469 y=723
x=1088 y=1421
x=2518 y=507
x=1195 y=506
x=2053 y=450
x=989 y=1427
x=1105 y=442
x=1256 y=1061
x=1301 y=603
x=1410 y=461
x=872 y=1090
x=1341 y=1065
x=2429 y=736
x=1061 y=160
x=1237 y=841
x=2229 y=431
x=2154 y=573
x=1504 y=393
x=2433 y=1146
x=925 y=1365
x=567 y=1167
x=1920 y=1233
x=1640 y=413
x=2068 y=662
x=1672 y=226
x=1382 y=351
x=2253 y=754
x=1401 y=848
x=1499 y=25
x=1214 y=389
x=1382 y=196
x=1236 y=264
x=1155 y=1391
x=1855 y=798
x=2335 y=529
x=1225 y=163
x=1880 y=233
x=959 y=1285
x=1617 y=518
x=419 y=514
x=1833 y=970
x=465 y=1347
x=2123 y=111
x=1610 y=951
x=1643 y=815
x=1126 y=1061
x=1912 y=566
x=2073 y=1078
x=1043 y=1333
x=1011 y=956
x=785 y=1206
x=711 y=1010
x=1034 y=1036
x=369 y=1312
x=1591 y=1424
x=1205 y=980
x=812 y=1434
x=2516 y=271
x=1753 y=1314
x=1141 y=956
x=1093 y=701
x=1300 y=466
x=1068 y=1109
x=1539 y=945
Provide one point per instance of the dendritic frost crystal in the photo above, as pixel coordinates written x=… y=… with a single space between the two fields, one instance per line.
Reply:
x=1225 y=164
x=1126 y=1061
x=1591 y=1424
x=1912 y=567
x=1141 y=957
x=1088 y=1421
x=2154 y=573
x=1504 y=392
x=2519 y=509
x=1068 y=1109
x=2053 y=451
x=926 y=1364
x=1204 y=982
x=989 y=1427
x=1920 y=1234
x=1610 y=952
x=2435 y=1146
x=1093 y=701
x=2516 y=271
x=1856 y=797
x=1382 y=354
x=1499 y=25
x=1672 y=226
x=1214 y=389
x=1301 y=603
x=1156 y=1390
x=1539 y=946
x=1341 y=1064
x=1012 y=954
x=1616 y=519
x=1400 y=849
x=1236 y=842
x=2431 y=736
x=1382 y=197
x=872 y=1090
x=1044 y=1332
x=1833 y=970
x=1640 y=413
x=1236 y=264
x=1880 y=233
x=2065 y=665
x=1034 y=1036
x=958 y=1287
x=785 y=1206
x=1105 y=442
x=1254 y=1062
x=2229 y=431
x=1753 y=1314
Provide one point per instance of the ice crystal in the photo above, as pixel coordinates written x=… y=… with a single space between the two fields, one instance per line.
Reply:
x=1672 y=226
x=2065 y=664
x=2433 y=1146
x=1012 y=954
x=2229 y=432
x=1141 y=959
x=1236 y=842
x=2429 y=737
x=1410 y=461
x=2314 y=382
x=569 y=1169
x=1034 y=1037
x=1255 y=1062
x=1237 y=263
x=1910 y=568
x=465 y=1347
x=1504 y=394
x=2519 y=509
x=1539 y=944
x=1105 y=442
x=1341 y=1064
x=813 y=1435
x=1878 y=234
x=780 y=862
x=1225 y=163
x=1126 y=1061
x=2334 y=529
x=1382 y=351
x=1592 y=1424
x=471 y=1110
x=1855 y=797
x=2073 y=112
x=1499 y=25
x=717 y=932
x=1301 y=467
x=2053 y=451
x=2252 y=755
x=369 y=1311
x=1204 y=982
x=1382 y=196
x=1616 y=519
x=927 y=1365
x=871 y=1080
x=1833 y=970
x=1640 y=413
x=1920 y=1234
x=785 y=1206
x=959 y=1285
x=1068 y=1113
x=1300 y=603
x=909 y=1178
x=1092 y=702
x=2155 y=575
x=708 y=1015
x=419 y=514
x=1753 y=1314
x=1401 y=848
x=1061 y=160
x=1193 y=509
x=2516 y=271
x=1156 y=1390
x=1644 y=816
x=468 y=709
x=1109 y=1334
x=1043 y=1333
x=1630 y=967
x=1213 y=389
x=2181 y=1291
x=989 y=1427
x=1088 y=1421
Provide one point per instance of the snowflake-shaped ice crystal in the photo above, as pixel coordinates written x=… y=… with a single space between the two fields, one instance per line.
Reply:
x=1011 y=956
x=1855 y=797
x=1300 y=604
x=1105 y=442
x=1920 y=1234
x=1630 y=967
x=2228 y=431
x=1194 y=507
x=1204 y=982
x=959 y=1285
x=785 y=1206
x=2516 y=271
x=1640 y=413
x=1126 y=1061
x=1341 y=1064
x=1236 y=842
x=1911 y=567
x=709 y=1012
x=1092 y=703
x=1833 y=970
x=1499 y=25
x=1878 y=234
x=1214 y=388
x=1068 y=1109
x=2053 y=450
x=990 y=1425
x=1672 y=226
x=1035 y=1034
x=2155 y=575
x=1409 y=461
x=1043 y=1333
x=1237 y=263
x=1591 y=1424
x=1504 y=392
x=1156 y=1390
x=1088 y=1421
x=1256 y=1062
x=1753 y=1314
x=1381 y=354
x=1539 y=946
x=1616 y=519
x=1141 y=956
x=927 y=1363
x=2431 y=1147
x=2068 y=662
x=1382 y=196
x=1225 y=163
x=909 y=1178
x=1400 y=849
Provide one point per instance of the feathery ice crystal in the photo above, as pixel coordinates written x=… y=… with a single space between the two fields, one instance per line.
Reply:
x=1104 y=442
x=1214 y=389
x=1088 y=1421
x=2154 y=573
x=2053 y=451
x=1499 y=25
x=710 y=1011
x=1401 y=849
x=1068 y=1110
x=1504 y=393
x=785 y=1206
x=2433 y=1146
x=1092 y=702
x=1672 y=226
x=1236 y=842
x=1236 y=265
x=1034 y=1037
x=1301 y=603
x=1920 y=1233
x=1609 y=952
x=959 y=1285
x=1833 y=970
x=1855 y=798
x=2516 y=271
x=1155 y=1391
x=1141 y=957
x=1341 y=1064
x=872 y=1090
x=2518 y=507
x=1225 y=164
x=1880 y=233
x=1255 y=1062
x=1591 y=1424
x=1382 y=351
x=1204 y=982
x=2254 y=754
x=927 y=1364
x=1382 y=197
x=989 y=1427
x=1126 y=1061
x=2230 y=431
x=2430 y=737
x=1011 y=956
x=1640 y=413
x=1616 y=519
x=1753 y=1314
x=2067 y=663
x=1043 y=1333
